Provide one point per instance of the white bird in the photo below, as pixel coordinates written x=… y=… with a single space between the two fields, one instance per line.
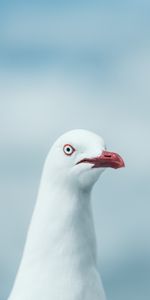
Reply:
x=59 y=260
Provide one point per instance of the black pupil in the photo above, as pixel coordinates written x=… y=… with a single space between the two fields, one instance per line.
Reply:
x=68 y=149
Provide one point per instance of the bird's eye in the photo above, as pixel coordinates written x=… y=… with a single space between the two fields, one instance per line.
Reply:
x=68 y=149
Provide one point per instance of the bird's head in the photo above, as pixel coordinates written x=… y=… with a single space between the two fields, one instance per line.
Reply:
x=79 y=157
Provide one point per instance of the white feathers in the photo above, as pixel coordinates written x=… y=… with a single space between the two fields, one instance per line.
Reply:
x=59 y=260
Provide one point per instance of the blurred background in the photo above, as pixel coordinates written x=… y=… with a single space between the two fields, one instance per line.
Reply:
x=78 y=64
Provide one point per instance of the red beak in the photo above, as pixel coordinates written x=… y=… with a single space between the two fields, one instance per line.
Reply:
x=105 y=160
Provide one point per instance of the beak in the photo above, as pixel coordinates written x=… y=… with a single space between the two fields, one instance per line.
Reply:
x=105 y=160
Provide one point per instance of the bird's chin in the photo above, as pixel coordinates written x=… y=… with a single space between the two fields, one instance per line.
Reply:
x=87 y=177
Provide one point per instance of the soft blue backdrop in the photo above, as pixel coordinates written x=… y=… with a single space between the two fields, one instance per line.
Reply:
x=78 y=64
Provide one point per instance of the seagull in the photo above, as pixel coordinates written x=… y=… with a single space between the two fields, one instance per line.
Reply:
x=59 y=261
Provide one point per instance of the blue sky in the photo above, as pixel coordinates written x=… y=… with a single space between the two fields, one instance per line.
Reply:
x=70 y=65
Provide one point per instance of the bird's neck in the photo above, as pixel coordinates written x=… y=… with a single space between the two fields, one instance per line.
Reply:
x=60 y=254
x=61 y=226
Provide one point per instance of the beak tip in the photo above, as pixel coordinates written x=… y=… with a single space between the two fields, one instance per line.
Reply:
x=121 y=164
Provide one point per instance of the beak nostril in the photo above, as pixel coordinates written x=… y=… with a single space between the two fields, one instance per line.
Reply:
x=107 y=155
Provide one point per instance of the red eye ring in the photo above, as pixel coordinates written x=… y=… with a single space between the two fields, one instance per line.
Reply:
x=68 y=149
